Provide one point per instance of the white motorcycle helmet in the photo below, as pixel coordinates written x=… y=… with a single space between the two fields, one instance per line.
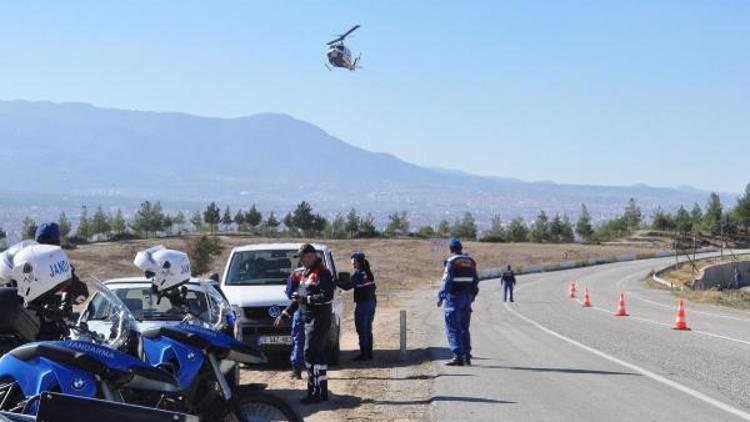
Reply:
x=167 y=268
x=35 y=270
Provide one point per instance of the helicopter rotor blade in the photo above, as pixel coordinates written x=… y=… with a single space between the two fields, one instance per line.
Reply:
x=341 y=37
x=354 y=28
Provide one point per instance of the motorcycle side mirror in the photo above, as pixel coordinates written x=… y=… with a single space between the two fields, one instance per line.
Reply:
x=155 y=291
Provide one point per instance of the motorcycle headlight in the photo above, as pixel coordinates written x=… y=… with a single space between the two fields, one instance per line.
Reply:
x=237 y=329
x=140 y=349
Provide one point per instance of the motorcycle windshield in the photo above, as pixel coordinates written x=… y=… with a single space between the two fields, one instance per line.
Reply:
x=219 y=312
x=105 y=306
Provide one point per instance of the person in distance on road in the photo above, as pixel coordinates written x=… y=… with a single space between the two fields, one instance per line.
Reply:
x=508 y=281
x=460 y=288
x=363 y=283
x=314 y=298
x=297 y=356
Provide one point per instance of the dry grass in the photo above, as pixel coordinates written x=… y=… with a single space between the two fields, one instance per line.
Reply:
x=684 y=276
x=685 y=273
x=398 y=263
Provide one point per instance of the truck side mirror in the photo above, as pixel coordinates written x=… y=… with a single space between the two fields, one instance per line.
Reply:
x=344 y=278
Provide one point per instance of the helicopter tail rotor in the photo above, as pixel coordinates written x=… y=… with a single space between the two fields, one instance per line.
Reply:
x=356 y=65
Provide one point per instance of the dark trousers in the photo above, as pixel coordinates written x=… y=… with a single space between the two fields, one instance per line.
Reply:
x=364 y=314
x=457 y=323
x=317 y=330
x=507 y=291
x=297 y=356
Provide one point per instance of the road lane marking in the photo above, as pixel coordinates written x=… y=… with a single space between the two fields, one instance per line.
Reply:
x=645 y=372
x=650 y=321
x=694 y=311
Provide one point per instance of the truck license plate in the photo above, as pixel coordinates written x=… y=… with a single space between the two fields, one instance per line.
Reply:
x=285 y=340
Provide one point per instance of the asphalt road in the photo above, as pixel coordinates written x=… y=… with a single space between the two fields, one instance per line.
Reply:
x=546 y=358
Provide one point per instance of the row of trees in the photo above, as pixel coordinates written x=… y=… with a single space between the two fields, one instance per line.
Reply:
x=147 y=222
x=150 y=220
x=715 y=220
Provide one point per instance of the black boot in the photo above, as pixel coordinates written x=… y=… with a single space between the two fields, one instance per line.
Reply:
x=369 y=353
x=457 y=361
x=295 y=374
x=313 y=394
x=467 y=360
x=323 y=383
x=362 y=355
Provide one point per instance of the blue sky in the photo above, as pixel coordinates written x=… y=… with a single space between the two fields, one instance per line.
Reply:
x=595 y=92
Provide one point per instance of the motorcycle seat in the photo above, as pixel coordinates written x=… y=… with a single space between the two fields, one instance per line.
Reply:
x=177 y=334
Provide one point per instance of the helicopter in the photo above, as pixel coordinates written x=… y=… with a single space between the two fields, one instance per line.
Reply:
x=339 y=55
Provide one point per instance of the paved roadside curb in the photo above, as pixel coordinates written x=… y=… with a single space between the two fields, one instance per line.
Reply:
x=492 y=273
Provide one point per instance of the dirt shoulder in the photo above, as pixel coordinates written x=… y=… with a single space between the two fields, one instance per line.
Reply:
x=399 y=263
x=683 y=278
x=386 y=388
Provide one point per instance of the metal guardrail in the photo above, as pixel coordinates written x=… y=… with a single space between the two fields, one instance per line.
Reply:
x=491 y=273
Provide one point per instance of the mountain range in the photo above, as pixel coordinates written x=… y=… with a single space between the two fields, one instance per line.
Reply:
x=272 y=159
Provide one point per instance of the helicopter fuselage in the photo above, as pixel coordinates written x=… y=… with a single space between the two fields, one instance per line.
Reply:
x=340 y=56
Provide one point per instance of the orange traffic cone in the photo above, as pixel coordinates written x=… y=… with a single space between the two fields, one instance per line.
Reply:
x=586 y=299
x=621 y=306
x=572 y=290
x=680 y=323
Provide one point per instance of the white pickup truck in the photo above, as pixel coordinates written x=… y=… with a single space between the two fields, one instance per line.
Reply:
x=254 y=282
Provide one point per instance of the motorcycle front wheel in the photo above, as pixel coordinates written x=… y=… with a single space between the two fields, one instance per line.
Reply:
x=259 y=406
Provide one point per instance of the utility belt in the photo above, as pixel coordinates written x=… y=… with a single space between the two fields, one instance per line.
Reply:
x=316 y=306
x=462 y=284
x=318 y=311
x=363 y=295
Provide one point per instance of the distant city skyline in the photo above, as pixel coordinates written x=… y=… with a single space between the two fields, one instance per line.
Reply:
x=604 y=93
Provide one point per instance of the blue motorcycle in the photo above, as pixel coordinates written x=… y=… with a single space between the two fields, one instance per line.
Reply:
x=189 y=334
x=88 y=364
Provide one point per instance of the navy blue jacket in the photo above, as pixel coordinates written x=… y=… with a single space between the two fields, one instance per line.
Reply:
x=460 y=276
x=364 y=286
x=316 y=289
x=508 y=277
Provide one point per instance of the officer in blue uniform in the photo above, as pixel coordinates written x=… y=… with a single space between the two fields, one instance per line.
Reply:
x=460 y=287
x=297 y=357
x=508 y=281
x=314 y=299
x=363 y=283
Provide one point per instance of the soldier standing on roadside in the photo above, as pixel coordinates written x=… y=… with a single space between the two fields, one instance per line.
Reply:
x=508 y=281
x=313 y=298
x=460 y=288
x=296 y=357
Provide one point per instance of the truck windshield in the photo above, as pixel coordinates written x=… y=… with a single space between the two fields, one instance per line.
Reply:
x=262 y=267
